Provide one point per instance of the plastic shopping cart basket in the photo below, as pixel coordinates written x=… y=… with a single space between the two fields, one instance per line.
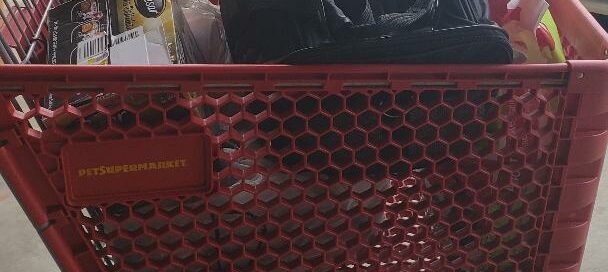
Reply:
x=306 y=168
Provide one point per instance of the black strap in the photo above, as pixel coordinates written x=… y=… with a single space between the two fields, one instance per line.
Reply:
x=419 y=14
x=359 y=19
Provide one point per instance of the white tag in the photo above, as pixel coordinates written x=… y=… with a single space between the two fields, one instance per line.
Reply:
x=129 y=48
x=92 y=48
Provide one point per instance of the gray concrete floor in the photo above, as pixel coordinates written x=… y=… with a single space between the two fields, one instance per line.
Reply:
x=595 y=252
x=23 y=250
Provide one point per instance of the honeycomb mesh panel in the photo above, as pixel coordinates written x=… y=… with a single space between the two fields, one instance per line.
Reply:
x=372 y=180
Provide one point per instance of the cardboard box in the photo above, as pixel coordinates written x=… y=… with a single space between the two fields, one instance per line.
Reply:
x=79 y=33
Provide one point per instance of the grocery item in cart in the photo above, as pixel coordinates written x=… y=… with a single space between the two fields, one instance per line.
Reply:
x=201 y=32
x=533 y=32
x=155 y=17
x=79 y=33
x=364 y=31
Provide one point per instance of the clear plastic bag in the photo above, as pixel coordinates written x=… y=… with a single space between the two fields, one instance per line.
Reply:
x=202 y=38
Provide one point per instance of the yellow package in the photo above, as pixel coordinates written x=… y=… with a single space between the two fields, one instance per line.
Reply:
x=534 y=35
x=156 y=19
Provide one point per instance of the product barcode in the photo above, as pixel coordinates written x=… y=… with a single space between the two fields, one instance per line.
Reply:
x=93 y=47
x=127 y=35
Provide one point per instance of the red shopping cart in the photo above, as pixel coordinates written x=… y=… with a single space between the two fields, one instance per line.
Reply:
x=305 y=168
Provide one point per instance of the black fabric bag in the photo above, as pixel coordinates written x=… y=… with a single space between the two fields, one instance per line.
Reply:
x=364 y=32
